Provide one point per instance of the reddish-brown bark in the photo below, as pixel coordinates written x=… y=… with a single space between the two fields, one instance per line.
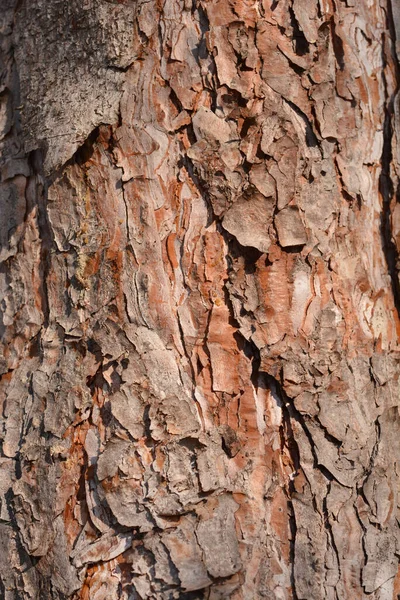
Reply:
x=200 y=300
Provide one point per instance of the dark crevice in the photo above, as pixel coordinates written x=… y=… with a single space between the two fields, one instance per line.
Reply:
x=316 y=120
x=175 y=100
x=85 y=151
x=329 y=437
x=287 y=441
x=295 y=67
x=247 y=123
x=293 y=249
x=300 y=43
x=147 y=423
x=311 y=138
x=292 y=550
x=249 y=254
x=203 y=53
x=243 y=67
x=200 y=51
x=118 y=69
x=386 y=185
x=229 y=441
x=337 y=47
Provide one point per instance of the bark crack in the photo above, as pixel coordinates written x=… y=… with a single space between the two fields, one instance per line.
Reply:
x=386 y=184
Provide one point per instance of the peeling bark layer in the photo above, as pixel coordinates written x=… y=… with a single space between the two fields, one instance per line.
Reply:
x=200 y=294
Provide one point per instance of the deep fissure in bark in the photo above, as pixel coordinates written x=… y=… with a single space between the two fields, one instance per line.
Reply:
x=386 y=183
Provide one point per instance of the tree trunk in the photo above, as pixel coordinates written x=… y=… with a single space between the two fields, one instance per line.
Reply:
x=200 y=296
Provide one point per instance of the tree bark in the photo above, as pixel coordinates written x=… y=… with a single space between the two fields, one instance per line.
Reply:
x=200 y=299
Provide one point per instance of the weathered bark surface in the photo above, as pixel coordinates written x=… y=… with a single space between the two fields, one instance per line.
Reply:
x=200 y=357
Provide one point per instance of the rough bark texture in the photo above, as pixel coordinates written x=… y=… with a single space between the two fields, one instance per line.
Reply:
x=199 y=281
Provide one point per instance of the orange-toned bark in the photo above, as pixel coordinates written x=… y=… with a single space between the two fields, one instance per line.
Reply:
x=200 y=300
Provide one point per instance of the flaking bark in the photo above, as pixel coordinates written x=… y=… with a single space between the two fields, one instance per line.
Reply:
x=199 y=289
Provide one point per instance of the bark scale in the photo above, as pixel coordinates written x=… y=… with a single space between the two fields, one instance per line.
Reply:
x=200 y=294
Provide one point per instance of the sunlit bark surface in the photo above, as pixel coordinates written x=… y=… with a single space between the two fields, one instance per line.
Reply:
x=199 y=292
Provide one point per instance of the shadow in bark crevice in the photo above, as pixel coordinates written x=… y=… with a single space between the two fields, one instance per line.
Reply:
x=386 y=185
x=388 y=193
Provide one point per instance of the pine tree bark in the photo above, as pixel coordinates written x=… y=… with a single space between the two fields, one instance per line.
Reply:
x=200 y=299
